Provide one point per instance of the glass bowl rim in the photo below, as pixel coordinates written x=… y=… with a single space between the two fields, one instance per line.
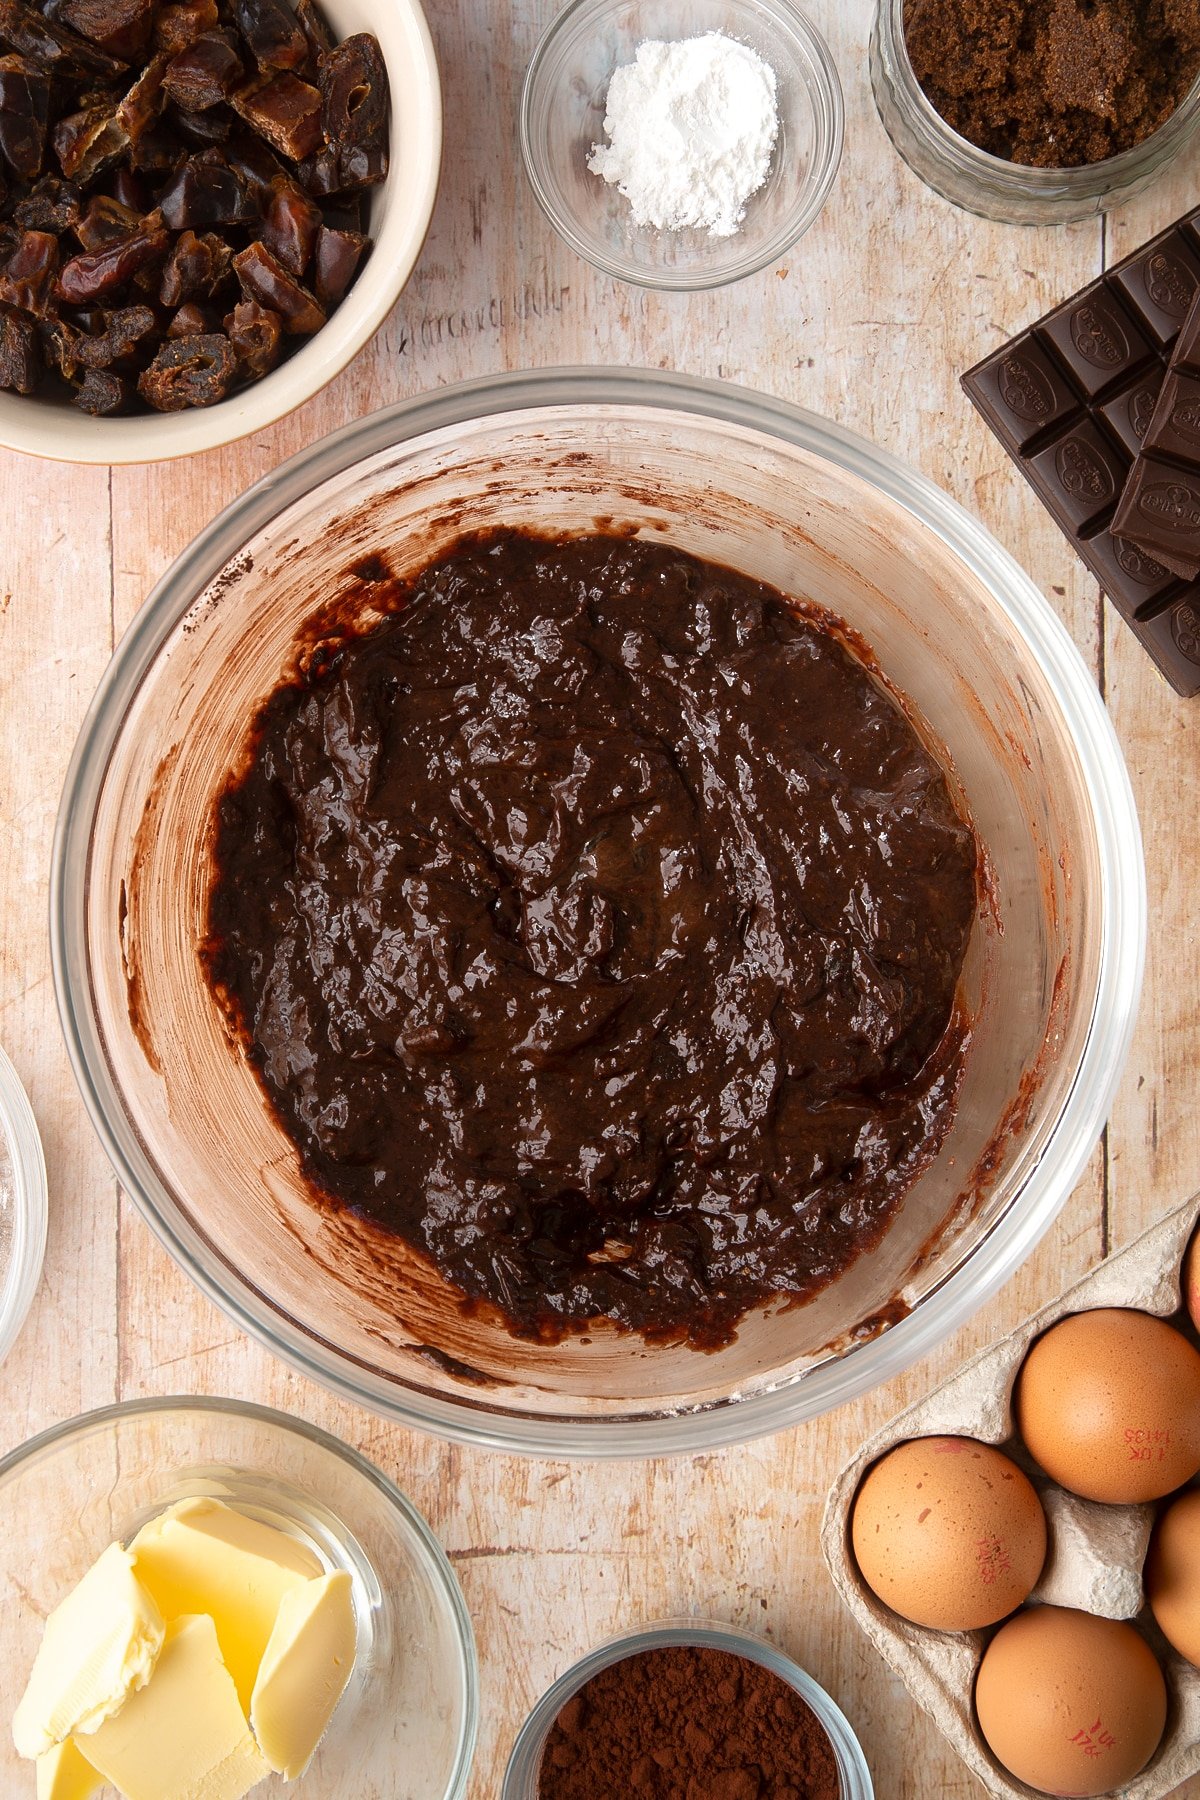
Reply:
x=824 y=93
x=53 y=1436
x=1122 y=910
x=30 y=1210
x=1106 y=181
x=706 y=1634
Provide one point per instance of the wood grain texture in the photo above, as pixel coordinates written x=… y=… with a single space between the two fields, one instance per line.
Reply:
x=870 y=320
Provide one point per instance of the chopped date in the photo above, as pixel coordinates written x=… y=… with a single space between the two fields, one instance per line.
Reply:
x=126 y=335
x=354 y=110
x=20 y=355
x=256 y=333
x=190 y=371
x=215 y=125
x=284 y=110
x=316 y=32
x=267 y=281
x=258 y=166
x=89 y=142
x=270 y=28
x=52 y=205
x=175 y=27
x=156 y=152
x=122 y=27
x=106 y=221
x=129 y=188
x=55 y=48
x=190 y=320
x=205 y=190
x=24 y=115
x=103 y=393
x=142 y=105
x=335 y=260
x=290 y=225
x=97 y=274
x=59 y=340
x=196 y=267
x=27 y=277
x=204 y=74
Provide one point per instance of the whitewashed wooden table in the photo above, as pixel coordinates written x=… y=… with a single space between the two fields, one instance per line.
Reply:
x=870 y=320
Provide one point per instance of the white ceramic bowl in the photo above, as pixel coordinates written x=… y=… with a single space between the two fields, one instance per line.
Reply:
x=400 y=210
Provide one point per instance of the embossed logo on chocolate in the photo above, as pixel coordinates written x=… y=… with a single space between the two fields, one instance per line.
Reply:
x=1171 y=505
x=1185 y=418
x=1169 y=283
x=1081 y=472
x=1185 y=629
x=1141 y=412
x=1025 y=390
x=1137 y=565
x=1098 y=337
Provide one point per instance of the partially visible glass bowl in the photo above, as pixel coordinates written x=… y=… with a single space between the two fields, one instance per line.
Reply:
x=521 y=1776
x=412 y=1702
x=991 y=186
x=23 y=1210
x=562 y=116
x=1051 y=979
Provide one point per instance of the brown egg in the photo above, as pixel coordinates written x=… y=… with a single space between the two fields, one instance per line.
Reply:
x=948 y=1532
x=1191 y=1280
x=1173 y=1575
x=1108 y=1403
x=1070 y=1703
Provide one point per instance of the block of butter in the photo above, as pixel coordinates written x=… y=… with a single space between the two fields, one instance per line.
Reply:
x=200 y=1556
x=64 y=1773
x=304 y=1671
x=100 y=1644
x=184 y=1736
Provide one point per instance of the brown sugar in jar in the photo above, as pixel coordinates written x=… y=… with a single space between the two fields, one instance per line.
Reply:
x=1054 y=84
x=688 y=1723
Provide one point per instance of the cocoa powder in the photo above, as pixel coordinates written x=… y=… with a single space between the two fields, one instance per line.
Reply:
x=684 y=1723
x=1054 y=83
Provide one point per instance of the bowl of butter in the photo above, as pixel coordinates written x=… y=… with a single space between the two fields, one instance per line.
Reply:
x=207 y=1598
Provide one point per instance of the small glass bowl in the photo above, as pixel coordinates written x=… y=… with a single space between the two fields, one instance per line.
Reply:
x=521 y=1776
x=1012 y=193
x=22 y=1206
x=562 y=116
x=412 y=1700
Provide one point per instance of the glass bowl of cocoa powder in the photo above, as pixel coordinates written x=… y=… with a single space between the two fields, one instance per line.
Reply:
x=687 y=1701
x=1035 y=112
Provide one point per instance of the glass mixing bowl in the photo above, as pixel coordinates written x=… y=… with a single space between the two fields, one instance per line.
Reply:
x=412 y=1700
x=1052 y=972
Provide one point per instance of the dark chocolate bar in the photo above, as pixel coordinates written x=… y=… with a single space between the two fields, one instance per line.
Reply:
x=1159 y=510
x=1071 y=400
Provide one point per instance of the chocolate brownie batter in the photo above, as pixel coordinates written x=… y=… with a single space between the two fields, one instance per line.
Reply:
x=594 y=922
x=1054 y=83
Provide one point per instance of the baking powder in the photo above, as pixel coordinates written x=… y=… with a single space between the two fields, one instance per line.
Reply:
x=692 y=127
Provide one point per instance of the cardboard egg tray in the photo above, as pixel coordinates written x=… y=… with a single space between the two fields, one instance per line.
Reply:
x=1095 y=1556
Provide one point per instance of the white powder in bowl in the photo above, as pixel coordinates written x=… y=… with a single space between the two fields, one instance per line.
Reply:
x=691 y=126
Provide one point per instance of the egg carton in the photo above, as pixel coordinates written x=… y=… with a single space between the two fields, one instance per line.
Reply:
x=1095 y=1556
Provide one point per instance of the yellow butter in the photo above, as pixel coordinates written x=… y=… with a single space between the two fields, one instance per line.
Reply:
x=184 y=1736
x=201 y=1556
x=304 y=1672
x=99 y=1645
x=64 y=1773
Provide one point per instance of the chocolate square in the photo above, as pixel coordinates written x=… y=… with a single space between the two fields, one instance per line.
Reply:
x=1096 y=341
x=1080 y=476
x=1128 y=413
x=1024 y=391
x=1160 y=284
x=1130 y=576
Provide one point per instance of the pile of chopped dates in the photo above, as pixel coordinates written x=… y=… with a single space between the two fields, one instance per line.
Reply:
x=181 y=189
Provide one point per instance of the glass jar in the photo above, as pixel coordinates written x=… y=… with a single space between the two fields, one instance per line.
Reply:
x=1011 y=192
